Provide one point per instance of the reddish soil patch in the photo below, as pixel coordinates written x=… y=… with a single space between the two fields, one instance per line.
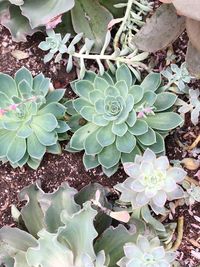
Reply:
x=69 y=167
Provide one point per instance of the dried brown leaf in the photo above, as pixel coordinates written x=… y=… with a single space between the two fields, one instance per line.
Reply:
x=161 y=29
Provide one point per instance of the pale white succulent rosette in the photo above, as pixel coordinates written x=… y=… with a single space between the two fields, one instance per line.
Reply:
x=146 y=253
x=152 y=181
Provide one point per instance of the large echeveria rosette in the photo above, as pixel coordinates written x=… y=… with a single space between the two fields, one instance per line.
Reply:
x=31 y=119
x=123 y=119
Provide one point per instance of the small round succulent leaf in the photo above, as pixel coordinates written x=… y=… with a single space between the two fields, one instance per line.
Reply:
x=11 y=124
x=123 y=74
x=37 y=81
x=160 y=199
x=126 y=143
x=34 y=147
x=122 y=88
x=119 y=129
x=123 y=116
x=141 y=199
x=83 y=88
x=8 y=86
x=164 y=121
x=88 y=113
x=139 y=128
x=48 y=57
x=137 y=92
x=62 y=127
x=79 y=137
x=24 y=74
x=105 y=136
x=90 y=76
x=164 y=101
x=90 y=161
x=91 y=145
x=151 y=82
x=100 y=84
x=109 y=156
x=147 y=138
x=45 y=46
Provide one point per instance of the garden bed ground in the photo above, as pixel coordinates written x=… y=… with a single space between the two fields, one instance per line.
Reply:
x=68 y=167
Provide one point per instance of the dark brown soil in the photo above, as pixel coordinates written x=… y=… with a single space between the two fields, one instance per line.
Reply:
x=69 y=167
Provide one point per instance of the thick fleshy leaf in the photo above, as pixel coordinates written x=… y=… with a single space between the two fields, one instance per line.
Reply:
x=109 y=156
x=193 y=31
x=40 y=14
x=24 y=74
x=148 y=138
x=44 y=137
x=126 y=143
x=123 y=88
x=113 y=240
x=137 y=92
x=90 y=161
x=82 y=242
x=123 y=74
x=61 y=199
x=162 y=29
x=139 y=128
x=105 y=136
x=159 y=145
x=164 y=121
x=164 y=101
x=7 y=85
x=100 y=84
x=55 y=96
x=92 y=145
x=79 y=137
x=83 y=88
x=119 y=129
x=47 y=122
x=151 y=82
x=16 y=149
x=34 y=147
x=110 y=171
x=49 y=252
x=130 y=156
x=96 y=27
x=32 y=213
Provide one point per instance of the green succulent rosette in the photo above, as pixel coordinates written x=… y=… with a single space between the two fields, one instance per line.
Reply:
x=123 y=119
x=31 y=119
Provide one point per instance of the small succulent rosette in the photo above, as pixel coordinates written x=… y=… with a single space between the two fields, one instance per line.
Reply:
x=152 y=181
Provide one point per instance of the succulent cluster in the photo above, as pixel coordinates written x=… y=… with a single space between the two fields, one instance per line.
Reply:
x=148 y=253
x=24 y=17
x=31 y=119
x=152 y=181
x=123 y=118
x=193 y=106
x=63 y=229
x=177 y=76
